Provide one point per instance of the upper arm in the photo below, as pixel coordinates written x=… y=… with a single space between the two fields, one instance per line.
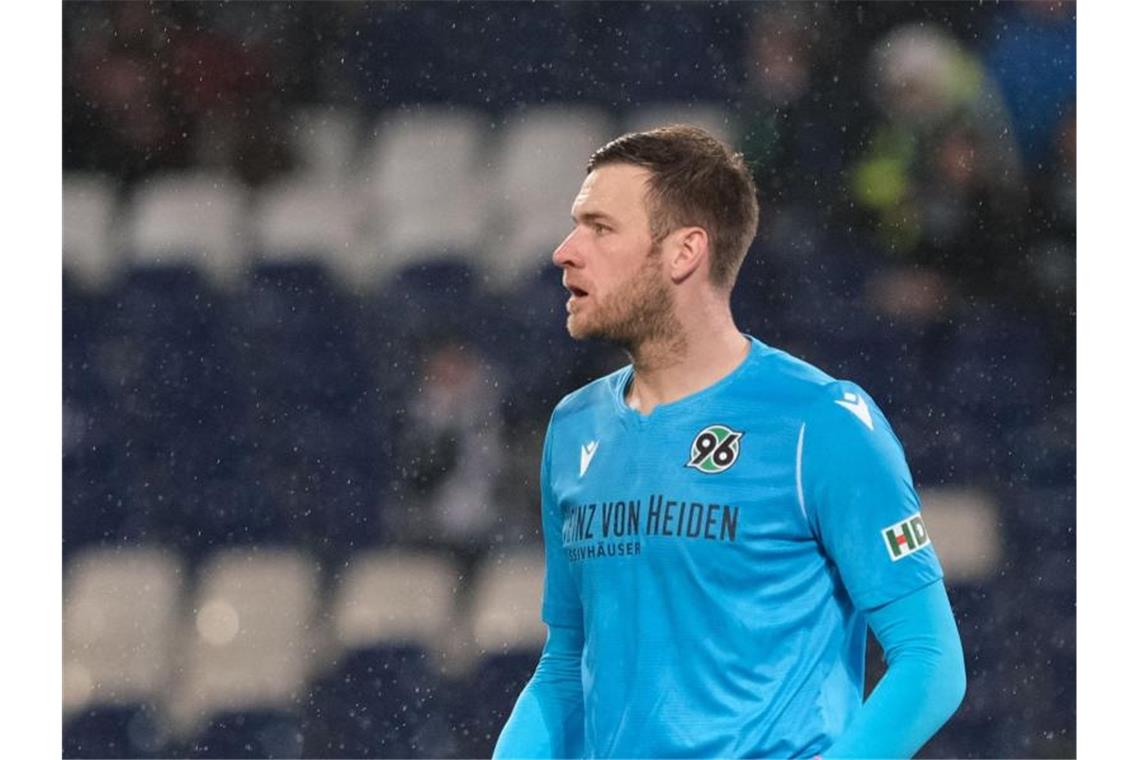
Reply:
x=860 y=499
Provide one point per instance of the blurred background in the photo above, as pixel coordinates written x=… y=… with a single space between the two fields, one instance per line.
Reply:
x=312 y=336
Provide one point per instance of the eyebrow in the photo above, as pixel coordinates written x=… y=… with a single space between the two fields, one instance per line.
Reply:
x=593 y=216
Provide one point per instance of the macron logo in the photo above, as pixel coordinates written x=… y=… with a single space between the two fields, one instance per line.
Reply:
x=857 y=405
x=588 y=452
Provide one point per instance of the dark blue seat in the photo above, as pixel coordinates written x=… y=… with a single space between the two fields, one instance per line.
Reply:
x=489 y=696
x=1041 y=518
x=385 y=701
x=248 y=734
x=301 y=336
x=1043 y=455
x=128 y=731
x=996 y=366
x=439 y=295
x=544 y=363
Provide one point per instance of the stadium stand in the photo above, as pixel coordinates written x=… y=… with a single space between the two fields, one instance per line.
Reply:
x=241 y=342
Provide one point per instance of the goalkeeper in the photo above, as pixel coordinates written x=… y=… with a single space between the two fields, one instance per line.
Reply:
x=722 y=521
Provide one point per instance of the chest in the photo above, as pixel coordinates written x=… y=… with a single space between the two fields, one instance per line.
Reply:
x=712 y=498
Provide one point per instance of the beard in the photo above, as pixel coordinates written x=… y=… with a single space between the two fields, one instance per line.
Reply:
x=639 y=311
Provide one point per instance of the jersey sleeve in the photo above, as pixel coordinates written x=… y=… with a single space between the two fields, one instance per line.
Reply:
x=857 y=493
x=561 y=604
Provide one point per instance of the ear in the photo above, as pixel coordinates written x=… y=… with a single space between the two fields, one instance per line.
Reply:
x=688 y=250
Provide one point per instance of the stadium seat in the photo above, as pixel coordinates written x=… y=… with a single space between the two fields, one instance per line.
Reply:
x=509 y=634
x=996 y=367
x=423 y=186
x=193 y=219
x=90 y=254
x=308 y=218
x=253 y=642
x=121 y=608
x=384 y=701
x=541 y=162
x=120 y=611
x=506 y=602
x=84 y=312
x=395 y=598
x=708 y=116
x=1043 y=452
x=391 y=614
x=123 y=731
x=306 y=329
x=166 y=357
x=546 y=363
x=432 y=297
x=1043 y=517
x=694 y=51
x=325 y=141
x=247 y=734
x=963 y=524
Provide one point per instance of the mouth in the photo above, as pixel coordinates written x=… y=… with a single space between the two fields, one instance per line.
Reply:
x=577 y=294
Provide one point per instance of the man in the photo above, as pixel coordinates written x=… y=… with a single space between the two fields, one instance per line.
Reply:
x=721 y=520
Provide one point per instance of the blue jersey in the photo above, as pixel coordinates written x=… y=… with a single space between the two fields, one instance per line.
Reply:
x=719 y=555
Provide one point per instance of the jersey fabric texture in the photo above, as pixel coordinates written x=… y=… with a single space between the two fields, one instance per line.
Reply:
x=720 y=555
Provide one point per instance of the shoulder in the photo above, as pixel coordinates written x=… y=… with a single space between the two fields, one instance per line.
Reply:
x=809 y=392
x=778 y=376
x=592 y=398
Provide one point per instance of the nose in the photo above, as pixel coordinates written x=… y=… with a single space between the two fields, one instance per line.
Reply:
x=567 y=253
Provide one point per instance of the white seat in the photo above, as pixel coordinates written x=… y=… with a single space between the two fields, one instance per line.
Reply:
x=424 y=185
x=89 y=253
x=395 y=597
x=192 y=218
x=708 y=116
x=963 y=526
x=253 y=640
x=120 y=617
x=326 y=140
x=311 y=218
x=542 y=158
x=507 y=604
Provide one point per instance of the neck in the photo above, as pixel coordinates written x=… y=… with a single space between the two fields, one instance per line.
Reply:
x=704 y=349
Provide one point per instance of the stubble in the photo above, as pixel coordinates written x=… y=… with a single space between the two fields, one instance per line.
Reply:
x=638 y=315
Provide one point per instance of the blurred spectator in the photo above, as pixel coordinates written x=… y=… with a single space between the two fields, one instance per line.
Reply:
x=450 y=455
x=222 y=79
x=796 y=120
x=940 y=178
x=119 y=116
x=159 y=86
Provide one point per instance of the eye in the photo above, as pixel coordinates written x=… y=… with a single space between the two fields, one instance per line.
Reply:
x=600 y=228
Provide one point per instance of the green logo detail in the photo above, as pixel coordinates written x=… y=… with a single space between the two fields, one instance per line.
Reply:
x=715 y=449
x=906 y=537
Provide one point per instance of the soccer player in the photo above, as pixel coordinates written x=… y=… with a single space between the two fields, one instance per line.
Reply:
x=722 y=521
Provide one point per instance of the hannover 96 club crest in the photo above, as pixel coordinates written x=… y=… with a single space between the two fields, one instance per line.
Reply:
x=715 y=449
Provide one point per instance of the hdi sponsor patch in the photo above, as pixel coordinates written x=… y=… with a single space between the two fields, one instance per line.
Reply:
x=905 y=537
